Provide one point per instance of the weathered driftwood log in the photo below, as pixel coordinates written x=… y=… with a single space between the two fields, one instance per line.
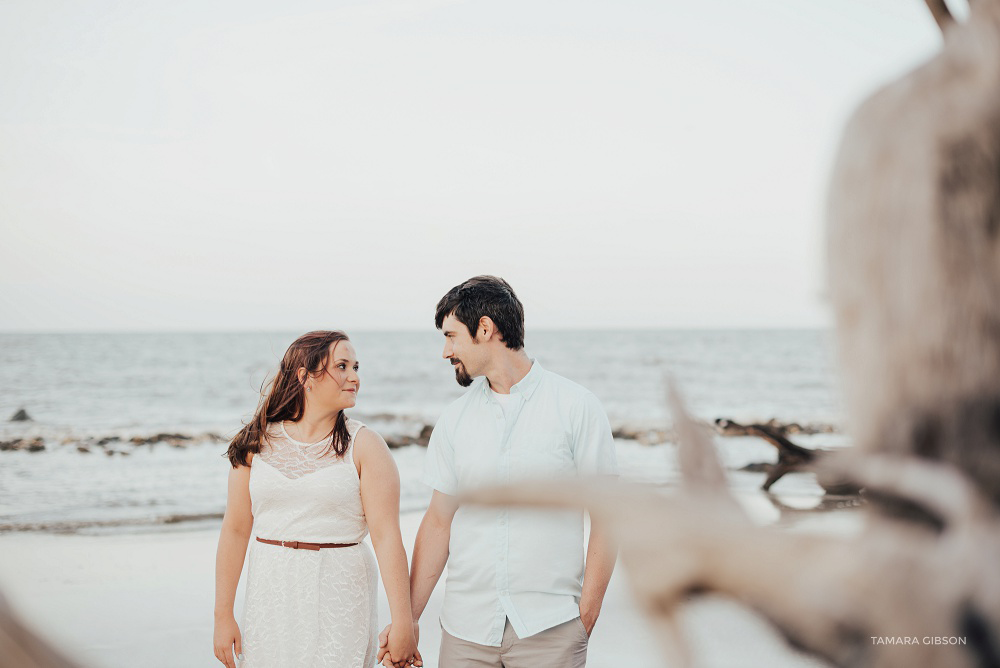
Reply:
x=914 y=277
x=792 y=458
x=727 y=427
x=913 y=248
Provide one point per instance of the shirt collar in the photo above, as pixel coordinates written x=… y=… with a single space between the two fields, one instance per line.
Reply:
x=526 y=386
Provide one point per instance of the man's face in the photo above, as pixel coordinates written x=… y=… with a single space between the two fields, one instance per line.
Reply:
x=461 y=350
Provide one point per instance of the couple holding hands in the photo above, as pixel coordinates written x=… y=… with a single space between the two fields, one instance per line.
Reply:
x=308 y=484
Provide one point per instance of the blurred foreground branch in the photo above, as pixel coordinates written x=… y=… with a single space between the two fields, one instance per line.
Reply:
x=913 y=224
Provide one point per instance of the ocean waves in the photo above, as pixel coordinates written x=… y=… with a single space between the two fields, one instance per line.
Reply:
x=130 y=430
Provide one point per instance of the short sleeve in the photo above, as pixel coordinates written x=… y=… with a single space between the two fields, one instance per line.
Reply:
x=593 y=444
x=439 y=464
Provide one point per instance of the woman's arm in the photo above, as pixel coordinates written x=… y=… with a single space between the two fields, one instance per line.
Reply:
x=380 y=500
x=430 y=554
x=236 y=527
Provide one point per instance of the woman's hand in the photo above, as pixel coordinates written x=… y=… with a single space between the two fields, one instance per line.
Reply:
x=402 y=646
x=226 y=638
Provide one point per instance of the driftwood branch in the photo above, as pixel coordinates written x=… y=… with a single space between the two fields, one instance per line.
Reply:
x=942 y=15
x=792 y=458
x=913 y=242
x=20 y=647
x=829 y=596
x=701 y=469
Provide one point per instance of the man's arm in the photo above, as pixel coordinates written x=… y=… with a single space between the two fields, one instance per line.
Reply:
x=430 y=550
x=594 y=454
x=601 y=556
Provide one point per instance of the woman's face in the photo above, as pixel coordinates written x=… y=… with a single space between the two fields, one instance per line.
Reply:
x=337 y=387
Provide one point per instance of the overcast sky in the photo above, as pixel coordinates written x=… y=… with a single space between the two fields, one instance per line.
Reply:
x=250 y=164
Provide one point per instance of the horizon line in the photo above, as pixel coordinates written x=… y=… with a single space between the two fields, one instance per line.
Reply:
x=414 y=330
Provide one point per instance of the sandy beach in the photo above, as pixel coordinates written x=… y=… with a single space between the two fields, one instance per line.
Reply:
x=146 y=599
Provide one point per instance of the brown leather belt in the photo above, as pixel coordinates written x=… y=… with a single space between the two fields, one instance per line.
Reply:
x=298 y=545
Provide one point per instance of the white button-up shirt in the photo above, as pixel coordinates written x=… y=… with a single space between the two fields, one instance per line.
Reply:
x=521 y=565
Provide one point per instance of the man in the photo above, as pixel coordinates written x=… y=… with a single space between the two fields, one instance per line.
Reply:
x=517 y=593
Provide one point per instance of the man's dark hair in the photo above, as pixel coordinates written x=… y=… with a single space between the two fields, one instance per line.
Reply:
x=489 y=296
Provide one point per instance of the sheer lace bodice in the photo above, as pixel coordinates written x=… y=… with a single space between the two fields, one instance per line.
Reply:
x=295 y=459
x=301 y=492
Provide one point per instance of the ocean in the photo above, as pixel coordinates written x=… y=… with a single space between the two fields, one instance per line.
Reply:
x=180 y=396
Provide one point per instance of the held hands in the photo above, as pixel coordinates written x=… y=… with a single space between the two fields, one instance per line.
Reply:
x=225 y=639
x=399 y=647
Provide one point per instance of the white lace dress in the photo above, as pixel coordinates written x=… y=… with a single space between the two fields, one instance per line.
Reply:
x=307 y=608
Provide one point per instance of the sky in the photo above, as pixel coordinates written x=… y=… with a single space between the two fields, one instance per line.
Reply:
x=252 y=165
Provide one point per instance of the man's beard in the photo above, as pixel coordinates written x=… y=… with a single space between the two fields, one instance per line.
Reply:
x=463 y=378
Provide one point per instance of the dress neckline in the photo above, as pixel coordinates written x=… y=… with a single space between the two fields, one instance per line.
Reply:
x=284 y=433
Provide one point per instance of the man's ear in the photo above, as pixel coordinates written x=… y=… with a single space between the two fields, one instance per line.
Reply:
x=487 y=328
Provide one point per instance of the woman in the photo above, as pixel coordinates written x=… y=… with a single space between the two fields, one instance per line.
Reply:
x=310 y=483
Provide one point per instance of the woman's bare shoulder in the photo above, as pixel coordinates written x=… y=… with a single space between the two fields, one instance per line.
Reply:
x=368 y=440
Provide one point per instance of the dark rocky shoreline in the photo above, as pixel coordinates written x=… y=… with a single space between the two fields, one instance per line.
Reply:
x=123 y=445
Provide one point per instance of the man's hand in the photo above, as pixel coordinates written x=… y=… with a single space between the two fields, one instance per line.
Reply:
x=383 y=643
x=588 y=615
x=601 y=556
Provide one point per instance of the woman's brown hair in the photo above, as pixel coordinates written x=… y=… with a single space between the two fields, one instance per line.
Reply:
x=284 y=398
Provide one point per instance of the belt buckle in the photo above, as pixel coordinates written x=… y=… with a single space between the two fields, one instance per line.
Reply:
x=294 y=544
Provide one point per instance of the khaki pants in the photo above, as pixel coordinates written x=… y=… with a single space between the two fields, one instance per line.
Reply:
x=563 y=646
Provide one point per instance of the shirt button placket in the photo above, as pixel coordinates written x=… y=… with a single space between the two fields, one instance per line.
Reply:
x=502 y=529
